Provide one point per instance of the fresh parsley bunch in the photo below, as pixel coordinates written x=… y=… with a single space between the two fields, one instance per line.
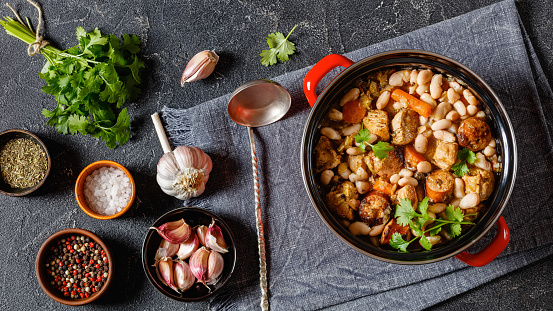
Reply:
x=406 y=215
x=90 y=82
x=380 y=149
x=466 y=156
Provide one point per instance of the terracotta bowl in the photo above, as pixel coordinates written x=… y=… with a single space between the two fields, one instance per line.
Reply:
x=8 y=135
x=79 y=189
x=44 y=281
x=194 y=217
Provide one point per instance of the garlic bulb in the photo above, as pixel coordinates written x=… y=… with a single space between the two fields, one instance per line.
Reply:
x=184 y=172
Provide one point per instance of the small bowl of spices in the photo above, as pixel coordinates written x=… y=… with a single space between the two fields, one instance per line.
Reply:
x=105 y=190
x=24 y=162
x=74 y=267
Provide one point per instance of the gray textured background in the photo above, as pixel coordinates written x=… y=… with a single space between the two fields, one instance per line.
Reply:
x=172 y=33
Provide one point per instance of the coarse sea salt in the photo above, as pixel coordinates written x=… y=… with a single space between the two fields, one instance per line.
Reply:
x=107 y=190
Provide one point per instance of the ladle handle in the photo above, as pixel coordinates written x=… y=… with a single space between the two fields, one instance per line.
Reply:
x=259 y=226
x=161 y=133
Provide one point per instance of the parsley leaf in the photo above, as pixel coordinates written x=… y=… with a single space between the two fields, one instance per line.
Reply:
x=380 y=149
x=279 y=47
x=465 y=155
x=399 y=243
x=405 y=212
x=425 y=243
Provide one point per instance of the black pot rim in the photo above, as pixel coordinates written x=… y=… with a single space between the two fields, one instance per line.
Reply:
x=501 y=125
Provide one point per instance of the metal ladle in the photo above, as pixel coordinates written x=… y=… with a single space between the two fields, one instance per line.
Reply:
x=254 y=104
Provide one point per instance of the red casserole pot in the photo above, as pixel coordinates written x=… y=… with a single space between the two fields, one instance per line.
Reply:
x=499 y=122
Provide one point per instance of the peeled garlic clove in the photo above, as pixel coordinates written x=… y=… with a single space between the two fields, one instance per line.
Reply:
x=166 y=249
x=215 y=266
x=201 y=231
x=199 y=67
x=188 y=247
x=214 y=238
x=199 y=263
x=184 y=279
x=174 y=232
x=165 y=272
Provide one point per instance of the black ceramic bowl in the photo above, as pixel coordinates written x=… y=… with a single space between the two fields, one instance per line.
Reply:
x=8 y=135
x=194 y=217
x=498 y=120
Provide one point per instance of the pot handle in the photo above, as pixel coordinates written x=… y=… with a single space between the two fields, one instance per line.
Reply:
x=316 y=74
x=492 y=250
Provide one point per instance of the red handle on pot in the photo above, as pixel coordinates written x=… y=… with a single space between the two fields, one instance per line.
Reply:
x=492 y=250
x=316 y=74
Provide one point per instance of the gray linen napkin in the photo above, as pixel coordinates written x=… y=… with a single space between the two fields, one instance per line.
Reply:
x=309 y=267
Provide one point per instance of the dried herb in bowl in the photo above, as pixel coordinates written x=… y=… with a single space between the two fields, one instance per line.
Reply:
x=23 y=163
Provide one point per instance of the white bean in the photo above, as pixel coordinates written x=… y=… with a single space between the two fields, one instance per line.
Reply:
x=459 y=190
x=359 y=175
x=460 y=107
x=354 y=151
x=405 y=173
x=413 y=88
x=471 y=99
x=376 y=230
x=362 y=186
x=383 y=100
x=326 y=177
x=424 y=76
x=455 y=202
x=352 y=129
x=422 y=120
x=345 y=223
x=489 y=151
x=482 y=163
x=456 y=86
x=453 y=115
x=441 y=111
x=343 y=170
x=434 y=239
x=470 y=200
x=437 y=208
x=406 y=75
x=352 y=94
x=424 y=167
x=481 y=114
x=407 y=181
x=395 y=178
x=436 y=86
x=396 y=78
x=398 y=105
x=429 y=100
x=421 y=143
x=359 y=228
x=492 y=143
x=413 y=77
x=452 y=96
x=472 y=109
x=444 y=135
x=422 y=88
x=441 y=125
x=453 y=128
x=330 y=133
x=335 y=114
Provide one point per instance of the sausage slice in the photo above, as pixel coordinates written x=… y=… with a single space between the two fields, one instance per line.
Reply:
x=391 y=228
x=385 y=168
x=474 y=133
x=439 y=186
x=375 y=209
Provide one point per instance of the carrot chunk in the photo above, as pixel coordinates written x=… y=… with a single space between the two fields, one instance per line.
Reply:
x=412 y=157
x=412 y=102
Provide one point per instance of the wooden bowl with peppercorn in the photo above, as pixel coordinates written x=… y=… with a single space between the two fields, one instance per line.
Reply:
x=74 y=267
x=24 y=162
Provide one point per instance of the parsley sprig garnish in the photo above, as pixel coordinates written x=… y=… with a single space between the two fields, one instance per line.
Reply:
x=466 y=156
x=380 y=149
x=279 y=46
x=406 y=215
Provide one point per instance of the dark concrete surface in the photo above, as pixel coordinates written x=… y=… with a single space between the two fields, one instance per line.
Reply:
x=172 y=32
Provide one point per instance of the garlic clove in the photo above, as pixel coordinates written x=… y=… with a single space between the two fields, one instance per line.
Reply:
x=198 y=264
x=174 y=232
x=199 y=67
x=188 y=247
x=184 y=279
x=201 y=231
x=166 y=249
x=165 y=272
x=214 y=238
x=215 y=266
